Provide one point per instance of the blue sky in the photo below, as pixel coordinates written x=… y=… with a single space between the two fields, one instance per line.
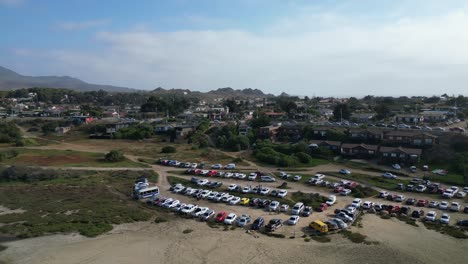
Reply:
x=326 y=47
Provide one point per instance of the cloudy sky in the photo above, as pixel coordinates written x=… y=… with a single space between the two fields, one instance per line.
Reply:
x=313 y=47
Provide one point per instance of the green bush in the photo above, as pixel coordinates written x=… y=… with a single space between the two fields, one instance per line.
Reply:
x=303 y=157
x=114 y=156
x=168 y=149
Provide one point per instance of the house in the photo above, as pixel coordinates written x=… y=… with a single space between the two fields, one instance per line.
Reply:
x=331 y=145
x=399 y=155
x=325 y=112
x=365 y=135
x=362 y=117
x=302 y=116
x=434 y=116
x=358 y=150
x=183 y=131
x=409 y=118
x=162 y=128
x=244 y=129
x=112 y=128
x=409 y=138
x=268 y=132
x=320 y=132
x=290 y=131
x=274 y=115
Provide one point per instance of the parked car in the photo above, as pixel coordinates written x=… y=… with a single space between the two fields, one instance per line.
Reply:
x=345 y=192
x=243 y=220
x=367 y=205
x=234 y=200
x=293 y=219
x=422 y=202
x=273 y=224
x=345 y=217
x=443 y=205
x=410 y=201
x=462 y=222
x=341 y=224
x=307 y=211
x=400 y=198
x=264 y=191
x=207 y=215
x=383 y=194
x=232 y=187
x=244 y=201
x=274 y=205
x=267 y=179
x=417 y=213
x=331 y=200
x=431 y=216
x=282 y=193
x=252 y=176
x=454 y=207
x=433 y=204
x=216 y=166
x=284 y=207
x=322 y=207
x=444 y=218
x=465 y=210
x=258 y=223
x=357 y=202
x=297 y=177
x=297 y=209
x=230 y=166
x=389 y=175
x=220 y=217
x=460 y=194
x=396 y=166
x=230 y=218
x=344 y=171
x=421 y=188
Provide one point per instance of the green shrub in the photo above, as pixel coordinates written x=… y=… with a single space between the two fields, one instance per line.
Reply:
x=168 y=149
x=114 y=156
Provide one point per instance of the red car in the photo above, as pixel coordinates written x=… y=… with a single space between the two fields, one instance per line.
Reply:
x=211 y=173
x=220 y=217
x=422 y=203
x=393 y=209
x=457 y=129
x=197 y=171
x=338 y=189
x=391 y=197
x=322 y=207
x=351 y=185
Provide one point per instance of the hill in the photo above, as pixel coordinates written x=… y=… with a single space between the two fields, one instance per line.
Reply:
x=10 y=80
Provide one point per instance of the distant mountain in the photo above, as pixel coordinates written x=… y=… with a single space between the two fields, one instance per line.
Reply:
x=227 y=92
x=10 y=80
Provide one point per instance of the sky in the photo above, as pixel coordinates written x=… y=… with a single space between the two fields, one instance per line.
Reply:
x=310 y=47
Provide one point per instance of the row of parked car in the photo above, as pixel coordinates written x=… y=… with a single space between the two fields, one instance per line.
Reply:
x=192 y=165
x=234 y=175
x=426 y=186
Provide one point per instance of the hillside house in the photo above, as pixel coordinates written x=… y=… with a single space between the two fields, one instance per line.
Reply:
x=399 y=155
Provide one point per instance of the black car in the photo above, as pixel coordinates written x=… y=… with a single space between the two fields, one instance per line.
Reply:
x=463 y=222
x=405 y=210
x=274 y=193
x=273 y=225
x=465 y=210
x=254 y=202
x=264 y=203
x=258 y=223
x=417 y=213
x=410 y=201
x=307 y=211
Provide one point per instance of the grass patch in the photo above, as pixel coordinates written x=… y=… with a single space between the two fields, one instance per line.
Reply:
x=66 y=158
x=446 y=229
x=211 y=223
x=385 y=216
x=321 y=239
x=187 y=231
x=86 y=202
x=309 y=199
x=354 y=237
x=358 y=221
x=408 y=220
x=271 y=234
x=284 y=186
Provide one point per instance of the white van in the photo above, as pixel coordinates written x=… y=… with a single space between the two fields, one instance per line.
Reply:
x=297 y=209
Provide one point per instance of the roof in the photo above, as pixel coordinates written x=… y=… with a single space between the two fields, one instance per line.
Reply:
x=325 y=142
x=410 y=151
x=368 y=147
x=358 y=130
x=409 y=134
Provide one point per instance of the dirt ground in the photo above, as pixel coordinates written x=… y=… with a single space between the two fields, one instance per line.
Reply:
x=54 y=160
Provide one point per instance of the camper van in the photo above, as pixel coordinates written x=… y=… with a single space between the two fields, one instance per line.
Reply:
x=319 y=226
x=146 y=192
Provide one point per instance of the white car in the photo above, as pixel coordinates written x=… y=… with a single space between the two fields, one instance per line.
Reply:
x=241 y=176
x=205 y=216
x=340 y=223
x=331 y=200
x=297 y=177
x=178 y=207
x=188 y=209
x=216 y=166
x=252 y=176
x=232 y=187
x=230 y=219
x=318 y=176
x=212 y=195
x=173 y=204
x=433 y=204
x=443 y=205
x=297 y=209
x=431 y=216
x=264 y=191
x=234 y=200
x=421 y=188
x=228 y=175
x=343 y=216
x=460 y=194
x=282 y=193
x=200 y=211
x=243 y=220
x=293 y=219
x=344 y=171
x=389 y=175
x=246 y=189
x=444 y=218
x=367 y=205
x=205 y=193
x=167 y=202
x=383 y=194
x=230 y=166
x=202 y=182
x=357 y=202
x=284 y=208
x=448 y=193
x=227 y=198
x=220 y=196
x=345 y=192
x=274 y=205
x=455 y=207
x=396 y=166
x=400 y=198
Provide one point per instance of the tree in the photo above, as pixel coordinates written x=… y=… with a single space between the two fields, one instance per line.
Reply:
x=114 y=156
x=383 y=111
x=342 y=111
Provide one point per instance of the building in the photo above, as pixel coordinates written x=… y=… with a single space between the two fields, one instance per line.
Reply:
x=268 y=132
x=290 y=131
x=399 y=155
x=398 y=137
x=362 y=117
x=244 y=130
x=365 y=135
x=409 y=118
x=112 y=128
x=359 y=150
x=434 y=116
x=162 y=128
x=330 y=145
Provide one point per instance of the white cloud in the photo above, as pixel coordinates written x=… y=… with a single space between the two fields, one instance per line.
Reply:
x=11 y=2
x=405 y=56
x=80 y=25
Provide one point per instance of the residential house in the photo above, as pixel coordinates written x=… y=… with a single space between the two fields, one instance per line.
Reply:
x=325 y=112
x=331 y=145
x=399 y=155
x=413 y=138
x=274 y=115
x=290 y=131
x=162 y=128
x=244 y=129
x=182 y=131
x=268 y=132
x=359 y=150
x=409 y=118
x=434 y=116
x=365 y=135
x=112 y=128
